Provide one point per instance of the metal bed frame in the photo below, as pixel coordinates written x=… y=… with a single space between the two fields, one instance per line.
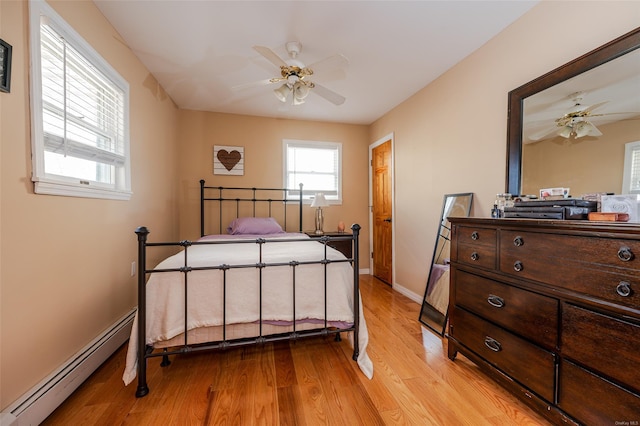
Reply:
x=146 y=351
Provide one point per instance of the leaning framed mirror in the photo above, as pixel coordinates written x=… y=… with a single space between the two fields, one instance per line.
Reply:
x=435 y=304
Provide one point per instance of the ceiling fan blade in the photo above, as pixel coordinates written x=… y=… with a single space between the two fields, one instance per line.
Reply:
x=543 y=133
x=254 y=84
x=592 y=107
x=606 y=114
x=329 y=95
x=332 y=62
x=270 y=55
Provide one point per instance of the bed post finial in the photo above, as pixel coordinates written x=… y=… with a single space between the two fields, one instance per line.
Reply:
x=142 y=232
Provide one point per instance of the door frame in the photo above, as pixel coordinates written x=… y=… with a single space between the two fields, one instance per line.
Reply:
x=375 y=144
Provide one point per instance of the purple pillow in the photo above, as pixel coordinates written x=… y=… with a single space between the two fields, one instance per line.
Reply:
x=255 y=226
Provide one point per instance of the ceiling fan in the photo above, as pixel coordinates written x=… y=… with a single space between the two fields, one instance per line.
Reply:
x=295 y=76
x=574 y=122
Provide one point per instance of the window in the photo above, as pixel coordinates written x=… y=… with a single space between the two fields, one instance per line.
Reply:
x=317 y=165
x=631 y=176
x=79 y=114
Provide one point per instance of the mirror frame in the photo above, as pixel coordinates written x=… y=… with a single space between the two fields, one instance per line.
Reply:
x=439 y=319
x=605 y=53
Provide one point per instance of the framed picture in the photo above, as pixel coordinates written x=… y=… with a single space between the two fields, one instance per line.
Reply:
x=228 y=160
x=5 y=66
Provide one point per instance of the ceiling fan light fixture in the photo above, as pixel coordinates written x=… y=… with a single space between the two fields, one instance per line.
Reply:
x=300 y=91
x=282 y=92
x=565 y=132
x=582 y=128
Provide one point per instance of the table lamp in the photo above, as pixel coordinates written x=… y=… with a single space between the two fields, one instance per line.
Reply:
x=319 y=202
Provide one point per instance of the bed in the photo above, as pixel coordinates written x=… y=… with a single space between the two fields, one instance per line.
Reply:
x=253 y=281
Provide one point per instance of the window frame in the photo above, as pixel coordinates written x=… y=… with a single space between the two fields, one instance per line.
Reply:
x=308 y=194
x=53 y=184
x=629 y=149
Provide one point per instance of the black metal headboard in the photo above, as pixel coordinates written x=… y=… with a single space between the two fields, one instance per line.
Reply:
x=251 y=196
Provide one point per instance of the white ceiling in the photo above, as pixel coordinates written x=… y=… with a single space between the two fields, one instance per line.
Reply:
x=614 y=86
x=199 y=50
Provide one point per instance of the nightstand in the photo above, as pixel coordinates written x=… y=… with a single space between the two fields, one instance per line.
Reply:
x=343 y=246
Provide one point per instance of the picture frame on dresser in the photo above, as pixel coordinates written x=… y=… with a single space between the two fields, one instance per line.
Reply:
x=433 y=312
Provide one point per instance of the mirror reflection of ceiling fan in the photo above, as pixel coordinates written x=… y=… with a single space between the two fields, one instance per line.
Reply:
x=575 y=122
x=295 y=76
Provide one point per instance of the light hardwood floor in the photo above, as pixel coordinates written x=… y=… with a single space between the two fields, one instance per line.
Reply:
x=308 y=382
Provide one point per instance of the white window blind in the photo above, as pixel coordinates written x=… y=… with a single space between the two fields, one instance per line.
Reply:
x=631 y=175
x=80 y=110
x=317 y=165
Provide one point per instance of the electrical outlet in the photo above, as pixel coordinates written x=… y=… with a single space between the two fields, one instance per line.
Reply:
x=133 y=268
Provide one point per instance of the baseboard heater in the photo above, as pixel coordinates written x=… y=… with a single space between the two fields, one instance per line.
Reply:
x=41 y=400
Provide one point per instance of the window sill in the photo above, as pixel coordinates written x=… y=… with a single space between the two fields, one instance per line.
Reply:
x=55 y=188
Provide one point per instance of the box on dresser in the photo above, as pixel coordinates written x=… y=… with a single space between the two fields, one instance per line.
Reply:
x=551 y=310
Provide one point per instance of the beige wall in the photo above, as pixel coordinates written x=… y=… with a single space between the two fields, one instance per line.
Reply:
x=262 y=142
x=451 y=136
x=585 y=165
x=66 y=261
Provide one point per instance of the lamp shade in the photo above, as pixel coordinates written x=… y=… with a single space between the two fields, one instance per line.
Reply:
x=319 y=200
x=565 y=132
x=300 y=91
x=282 y=92
x=586 y=128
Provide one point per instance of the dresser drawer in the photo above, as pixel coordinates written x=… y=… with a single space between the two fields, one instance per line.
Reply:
x=525 y=362
x=483 y=256
x=610 y=252
x=608 y=345
x=621 y=287
x=594 y=401
x=476 y=236
x=521 y=311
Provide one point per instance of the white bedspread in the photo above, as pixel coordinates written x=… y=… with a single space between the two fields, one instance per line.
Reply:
x=166 y=290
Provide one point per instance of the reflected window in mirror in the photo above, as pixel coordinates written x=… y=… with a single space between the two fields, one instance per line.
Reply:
x=433 y=313
x=631 y=179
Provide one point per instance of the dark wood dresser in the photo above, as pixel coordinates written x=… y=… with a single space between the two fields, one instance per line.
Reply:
x=551 y=310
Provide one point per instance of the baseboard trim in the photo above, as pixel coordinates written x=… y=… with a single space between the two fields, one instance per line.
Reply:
x=410 y=294
x=41 y=400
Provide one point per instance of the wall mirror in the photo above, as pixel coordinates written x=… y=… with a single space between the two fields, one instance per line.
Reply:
x=435 y=304
x=606 y=80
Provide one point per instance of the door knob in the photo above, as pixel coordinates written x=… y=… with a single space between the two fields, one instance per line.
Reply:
x=388 y=220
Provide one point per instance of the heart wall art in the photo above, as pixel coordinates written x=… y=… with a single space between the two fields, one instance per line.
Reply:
x=228 y=160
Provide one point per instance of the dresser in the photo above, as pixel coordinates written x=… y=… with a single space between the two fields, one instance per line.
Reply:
x=551 y=310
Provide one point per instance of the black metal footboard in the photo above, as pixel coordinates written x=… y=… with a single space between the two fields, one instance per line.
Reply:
x=144 y=351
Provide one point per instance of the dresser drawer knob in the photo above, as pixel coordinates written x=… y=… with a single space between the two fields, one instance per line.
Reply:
x=475 y=235
x=492 y=344
x=518 y=241
x=625 y=254
x=623 y=289
x=495 y=301
x=475 y=256
x=518 y=266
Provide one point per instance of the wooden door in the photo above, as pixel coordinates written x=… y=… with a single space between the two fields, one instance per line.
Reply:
x=382 y=218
